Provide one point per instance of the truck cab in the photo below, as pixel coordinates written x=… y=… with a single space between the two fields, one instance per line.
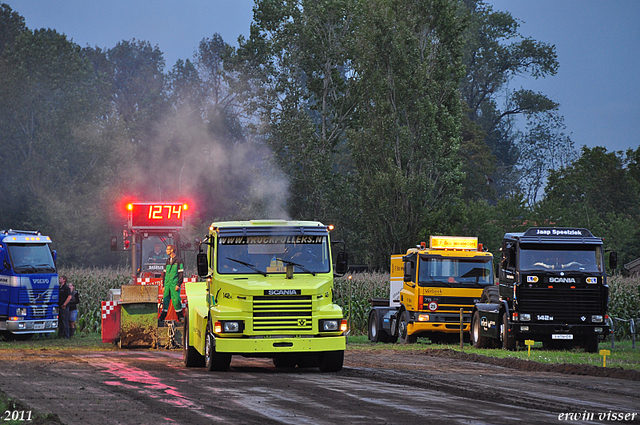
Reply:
x=552 y=288
x=28 y=285
x=267 y=291
x=428 y=289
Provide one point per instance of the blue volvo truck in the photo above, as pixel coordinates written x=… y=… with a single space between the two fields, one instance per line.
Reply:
x=28 y=285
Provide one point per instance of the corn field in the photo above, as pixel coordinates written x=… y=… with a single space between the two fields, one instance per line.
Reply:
x=93 y=286
x=352 y=294
x=624 y=303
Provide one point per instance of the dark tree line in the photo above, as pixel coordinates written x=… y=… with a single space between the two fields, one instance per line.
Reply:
x=392 y=119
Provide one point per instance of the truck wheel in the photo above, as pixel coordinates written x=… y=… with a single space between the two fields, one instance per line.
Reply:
x=375 y=333
x=213 y=360
x=591 y=343
x=490 y=295
x=476 y=340
x=402 y=330
x=508 y=339
x=331 y=361
x=190 y=356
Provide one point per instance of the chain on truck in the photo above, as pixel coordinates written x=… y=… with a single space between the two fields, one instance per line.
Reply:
x=28 y=285
x=268 y=292
x=552 y=288
x=429 y=287
x=130 y=316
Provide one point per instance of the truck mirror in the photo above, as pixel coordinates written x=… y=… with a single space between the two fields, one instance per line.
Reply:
x=613 y=260
x=342 y=263
x=196 y=243
x=114 y=243
x=203 y=265
x=408 y=271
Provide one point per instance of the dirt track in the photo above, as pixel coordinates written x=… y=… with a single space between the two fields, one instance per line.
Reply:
x=152 y=386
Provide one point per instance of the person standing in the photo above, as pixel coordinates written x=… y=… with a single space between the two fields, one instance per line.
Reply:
x=73 y=309
x=172 y=279
x=64 y=298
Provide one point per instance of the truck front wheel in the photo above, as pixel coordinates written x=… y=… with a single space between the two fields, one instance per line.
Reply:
x=212 y=359
x=403 y=332
x=476 y=340
x=331 y=361
x=190 y=356
x=508 y=339
x=591 y=343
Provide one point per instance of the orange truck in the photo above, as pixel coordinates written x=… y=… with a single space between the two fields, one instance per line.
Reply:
x=428 y=288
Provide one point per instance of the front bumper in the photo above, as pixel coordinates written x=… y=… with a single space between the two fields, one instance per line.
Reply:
x=279 y=345
x=29 y=326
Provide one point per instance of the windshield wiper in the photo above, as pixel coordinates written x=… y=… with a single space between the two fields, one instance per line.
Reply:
x=300 y=266
x=251 y=266
x=26 y=267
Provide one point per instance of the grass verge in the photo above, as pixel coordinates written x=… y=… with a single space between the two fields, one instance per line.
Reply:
x=622 y=356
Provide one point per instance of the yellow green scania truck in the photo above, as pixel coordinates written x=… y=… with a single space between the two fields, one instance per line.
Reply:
x=267 y=292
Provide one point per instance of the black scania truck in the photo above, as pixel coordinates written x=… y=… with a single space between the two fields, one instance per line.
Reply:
x=552 y=288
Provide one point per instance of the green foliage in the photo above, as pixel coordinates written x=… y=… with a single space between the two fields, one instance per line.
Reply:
x=405 y=142
x=93 y=286
x=354 y=295
x=624 y=303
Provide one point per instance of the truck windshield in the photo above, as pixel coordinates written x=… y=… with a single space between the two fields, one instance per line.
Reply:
x=587 y=258
x=31 y=258
x=154 y=252
x=439 y=271
x=270 y=254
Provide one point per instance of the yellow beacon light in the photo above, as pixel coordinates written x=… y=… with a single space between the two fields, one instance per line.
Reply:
x=453 y=242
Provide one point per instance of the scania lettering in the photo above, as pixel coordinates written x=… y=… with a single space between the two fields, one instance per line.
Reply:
x=267 y=292
x=28 y=285
x=429 y=287
x=552 y=288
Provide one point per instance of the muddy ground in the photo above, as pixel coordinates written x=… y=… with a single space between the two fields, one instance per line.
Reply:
x=387 y=386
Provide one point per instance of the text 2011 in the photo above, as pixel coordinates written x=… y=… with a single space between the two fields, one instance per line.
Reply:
x=17 y=415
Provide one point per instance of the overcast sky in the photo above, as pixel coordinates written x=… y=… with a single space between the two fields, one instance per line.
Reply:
x=597 y=41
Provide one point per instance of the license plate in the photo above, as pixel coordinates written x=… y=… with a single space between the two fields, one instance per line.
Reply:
x=562 y=336
x=38 y=326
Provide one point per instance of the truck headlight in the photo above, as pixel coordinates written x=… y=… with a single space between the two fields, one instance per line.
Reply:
x=596 y=318
x=525 y=317
x=231 y=327
x=330 y=325
x=55 y=310
x=524 y=328
x=228 y=326
x=597 y=330
x=423 y=318
x=21 y=311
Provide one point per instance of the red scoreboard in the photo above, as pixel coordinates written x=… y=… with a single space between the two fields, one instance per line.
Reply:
x=156 y=215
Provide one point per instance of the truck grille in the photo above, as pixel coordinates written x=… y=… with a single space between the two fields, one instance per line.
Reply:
x=562 y=304
x=282 y=313
x=35 y=296
x=39 y=311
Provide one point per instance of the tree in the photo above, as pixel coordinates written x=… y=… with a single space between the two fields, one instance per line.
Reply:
x=298 y=53
x=11 y=26
x=598 y=191
x=405 y=141
x=53 y=135
x=543 y=147
x=494 y=54
x=135 y=70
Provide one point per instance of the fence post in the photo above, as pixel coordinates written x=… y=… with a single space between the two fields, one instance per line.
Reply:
x=632 y=328
x=461 y=331
x=612 y=329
